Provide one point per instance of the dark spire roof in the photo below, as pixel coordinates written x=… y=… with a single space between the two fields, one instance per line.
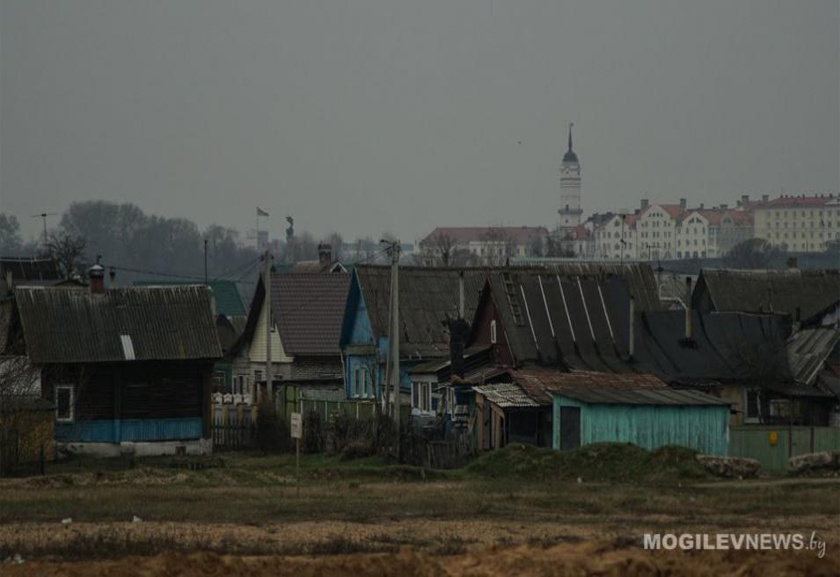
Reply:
x=570 y=156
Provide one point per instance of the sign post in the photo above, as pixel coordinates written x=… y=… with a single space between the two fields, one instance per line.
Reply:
x=297 y=433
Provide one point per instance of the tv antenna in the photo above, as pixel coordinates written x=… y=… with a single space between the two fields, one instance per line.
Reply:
x=44 y=216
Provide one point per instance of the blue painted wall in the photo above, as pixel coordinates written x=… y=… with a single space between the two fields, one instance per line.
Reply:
x=703 y=428
x=115 y=431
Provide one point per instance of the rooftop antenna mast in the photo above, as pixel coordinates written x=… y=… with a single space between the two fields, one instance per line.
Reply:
x=44 y=216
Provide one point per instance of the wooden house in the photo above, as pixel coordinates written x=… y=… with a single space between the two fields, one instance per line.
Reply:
x=428 y=298
x=306 y=312
x=128 y=370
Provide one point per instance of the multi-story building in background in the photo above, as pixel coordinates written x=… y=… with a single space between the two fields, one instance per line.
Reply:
x=799 y=223
x=481 y=245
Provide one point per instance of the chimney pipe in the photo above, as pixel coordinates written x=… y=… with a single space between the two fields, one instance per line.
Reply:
x=631 y=340
x=688 y=308
x=324 y=253
x=112 y=274
x=96 y=274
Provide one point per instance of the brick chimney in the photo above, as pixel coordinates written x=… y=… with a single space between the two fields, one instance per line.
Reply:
x=765 y=198
x=683 y=204
x=644 y=203
x=96 y=274
x=745 y=198
x=324 y=253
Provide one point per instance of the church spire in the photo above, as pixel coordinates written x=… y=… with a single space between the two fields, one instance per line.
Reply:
x=570 y=135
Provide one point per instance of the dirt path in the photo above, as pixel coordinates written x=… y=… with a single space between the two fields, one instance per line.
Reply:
x=583 y=559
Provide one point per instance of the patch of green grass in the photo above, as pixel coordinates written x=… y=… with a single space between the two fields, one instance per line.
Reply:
x=600 y=462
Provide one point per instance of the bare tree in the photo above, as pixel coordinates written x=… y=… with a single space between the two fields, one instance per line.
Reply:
x=755 y=253
x=68 y=251
x=442 y=247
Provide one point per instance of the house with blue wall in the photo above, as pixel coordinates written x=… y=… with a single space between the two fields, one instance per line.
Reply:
x=428 y=298
x=126 y=369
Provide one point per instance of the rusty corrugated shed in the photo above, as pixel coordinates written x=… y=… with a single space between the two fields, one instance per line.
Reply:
x=159 y=323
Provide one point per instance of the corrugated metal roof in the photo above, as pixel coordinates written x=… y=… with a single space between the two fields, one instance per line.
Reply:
x=29 y=269
x=506 y=395
x=807 y=351
x=163 y=323
x=642 y=397
x=610 y=388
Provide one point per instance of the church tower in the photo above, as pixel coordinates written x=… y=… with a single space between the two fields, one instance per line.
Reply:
x=570 y=210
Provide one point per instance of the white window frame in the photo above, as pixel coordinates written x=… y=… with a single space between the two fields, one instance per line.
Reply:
x=423 y=392
x=72 y=416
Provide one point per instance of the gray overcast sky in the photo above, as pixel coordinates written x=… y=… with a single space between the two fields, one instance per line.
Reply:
x=377 y=115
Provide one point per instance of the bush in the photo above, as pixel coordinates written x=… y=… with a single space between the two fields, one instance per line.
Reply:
x=272 y=432
x=314 y=435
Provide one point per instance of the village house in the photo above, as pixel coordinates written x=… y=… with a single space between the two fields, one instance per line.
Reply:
x=128 y=370
x=230 y=322
x=428 y=299
x=306 y=312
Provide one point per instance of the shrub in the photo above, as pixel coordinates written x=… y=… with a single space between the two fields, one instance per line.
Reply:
x=272 y=433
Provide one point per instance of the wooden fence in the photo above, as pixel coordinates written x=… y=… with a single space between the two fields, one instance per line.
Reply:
x=233 y=426
x=451 y=453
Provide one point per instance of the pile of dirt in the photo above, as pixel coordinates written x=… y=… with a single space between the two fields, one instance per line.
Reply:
x=599 y=462
x=591 y=558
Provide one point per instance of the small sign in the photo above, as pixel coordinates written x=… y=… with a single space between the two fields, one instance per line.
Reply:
x=773 y=437
x=297 y=426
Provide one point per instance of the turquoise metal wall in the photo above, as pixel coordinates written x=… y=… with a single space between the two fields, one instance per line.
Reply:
x=109 y=431
x=756 y=442
x=703 y=428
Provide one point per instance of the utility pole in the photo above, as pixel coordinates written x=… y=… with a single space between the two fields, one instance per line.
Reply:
x=394 y=336
x=269 y=380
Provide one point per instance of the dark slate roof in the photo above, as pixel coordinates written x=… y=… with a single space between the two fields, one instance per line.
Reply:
x=30 y=269
x=225 y=294
x=160 y=323
x=638 y=277
x=780 y=291
x=807 y=351
x=721 y=348
x=308 y=309
x=562 y=318
x=427 y=297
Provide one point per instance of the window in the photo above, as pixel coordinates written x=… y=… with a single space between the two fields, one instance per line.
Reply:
x=421 y=396
x=258 y=376
x=493 y=331
x=751 y=407
x=64 y=403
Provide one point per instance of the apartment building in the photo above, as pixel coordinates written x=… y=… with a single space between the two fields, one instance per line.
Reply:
x=799 y=223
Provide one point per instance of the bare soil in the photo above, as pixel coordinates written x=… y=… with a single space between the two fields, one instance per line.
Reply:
x=583 y=559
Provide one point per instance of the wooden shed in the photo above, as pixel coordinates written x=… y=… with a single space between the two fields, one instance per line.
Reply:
x=649 y=418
